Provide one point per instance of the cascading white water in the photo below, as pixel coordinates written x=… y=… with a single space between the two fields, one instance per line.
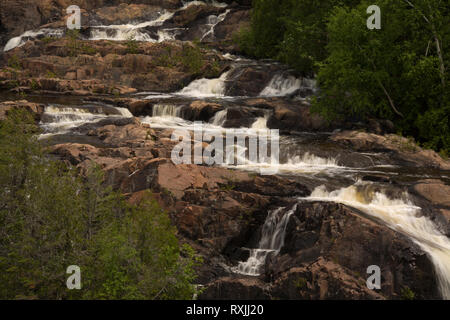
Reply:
x=219 y=118
x=126 y=31
x=212 y=22
x=260 y=123
x=281 y=85
x=167 y=116
x=59 y=120
x=170 y=117
x=131 y=31
x=206 y=87
x=271 y=241
x=30 y=34
x=214 y=3
x=306 y=164
x=401 y=215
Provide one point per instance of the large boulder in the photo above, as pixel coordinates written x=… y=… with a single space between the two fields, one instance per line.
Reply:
x=234 y=22
x=437 y=193
x=333 y=243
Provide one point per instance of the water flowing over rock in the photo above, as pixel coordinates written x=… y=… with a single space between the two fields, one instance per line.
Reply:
x=272 y=240
x=345 y=195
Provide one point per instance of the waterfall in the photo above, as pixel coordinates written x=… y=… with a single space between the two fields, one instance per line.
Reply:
x=298 y=165
x=124 y=112
x=281 y=85
x=131 y=31
x=206 y=87
x=400 y=215
x=260 y=123
x=167 y=116
x=168 y=34
x=215 y=3
x=219 y=118
x=128 y=31
x=59 y=120
x=271 y=241
x=212 y=22
x=30 y=34
x=166 y=110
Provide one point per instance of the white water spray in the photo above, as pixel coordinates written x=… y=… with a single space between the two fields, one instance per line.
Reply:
x=210 y=26
x=60 y=120
x=30 y=34
x=219 y=118
x=284 y=85
x=166 y=110
x=206 y=87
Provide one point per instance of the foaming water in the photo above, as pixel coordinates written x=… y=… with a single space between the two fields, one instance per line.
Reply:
x=212 y=22
x=306 y=164
x=271 y=241
x=206 y=87
x=260 y=123
x=169 y=117
x=166 y=110
x=401 y=215
x=135 y=31
x=60 y=120
x=132 y=31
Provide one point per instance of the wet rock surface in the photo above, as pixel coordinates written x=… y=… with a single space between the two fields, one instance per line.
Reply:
x=221 y=212
x=328 y=247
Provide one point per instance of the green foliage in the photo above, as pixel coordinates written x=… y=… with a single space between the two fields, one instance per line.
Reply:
x=87 y=49
x=50 y=218
x=73 y=34
x=394 y=73
x=132 y=46
x=34 y=85
x=47 y=40
x=228 y=187
x=50 y=74
x=304 y=42
x=13 y=84
x=73 y=45
x=14 y=63
x=192 y=58
x=292 y=31
x=301 y=283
